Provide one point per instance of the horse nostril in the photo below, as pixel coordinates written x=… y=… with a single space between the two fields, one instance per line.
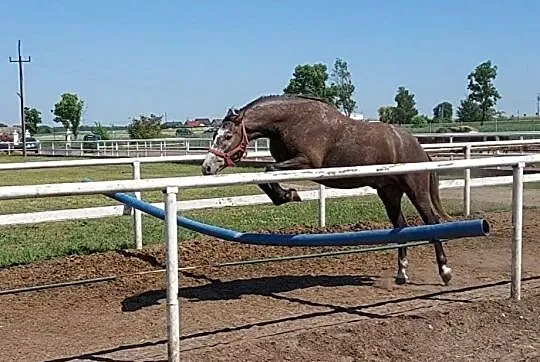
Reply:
x=208 y=169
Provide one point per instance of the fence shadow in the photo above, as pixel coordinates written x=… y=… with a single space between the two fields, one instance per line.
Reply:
x=235 y=289
x=102 y=354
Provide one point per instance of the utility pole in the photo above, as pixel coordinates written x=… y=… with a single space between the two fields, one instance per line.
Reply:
x=538 y=105
x=20 y=60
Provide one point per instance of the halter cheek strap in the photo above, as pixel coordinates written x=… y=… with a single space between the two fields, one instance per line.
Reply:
x=235 y=154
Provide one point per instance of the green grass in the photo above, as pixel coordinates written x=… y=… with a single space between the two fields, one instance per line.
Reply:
x=103 y=173
x=30 y=243
x=492 y=126
x=531 y=185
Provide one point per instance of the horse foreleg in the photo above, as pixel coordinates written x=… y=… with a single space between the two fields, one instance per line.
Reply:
x=275 y=192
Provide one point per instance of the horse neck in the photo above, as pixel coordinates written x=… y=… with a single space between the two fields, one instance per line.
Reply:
x=262 y=122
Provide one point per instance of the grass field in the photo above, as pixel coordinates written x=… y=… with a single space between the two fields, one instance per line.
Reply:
x=522 y=125
x=28 y=243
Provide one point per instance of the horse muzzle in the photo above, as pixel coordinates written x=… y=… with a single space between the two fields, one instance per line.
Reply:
x=212 y=164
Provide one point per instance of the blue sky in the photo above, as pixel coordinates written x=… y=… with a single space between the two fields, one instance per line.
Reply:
x=197 y=58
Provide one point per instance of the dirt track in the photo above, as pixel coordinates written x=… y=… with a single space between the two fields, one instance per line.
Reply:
x=343 y=309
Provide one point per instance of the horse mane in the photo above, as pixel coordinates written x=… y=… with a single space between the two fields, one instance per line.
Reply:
x=271 y=97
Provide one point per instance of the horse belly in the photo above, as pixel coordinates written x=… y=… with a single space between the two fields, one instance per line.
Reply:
x=356 y=182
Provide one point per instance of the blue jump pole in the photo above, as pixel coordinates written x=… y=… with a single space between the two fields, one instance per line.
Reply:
x=449 y=230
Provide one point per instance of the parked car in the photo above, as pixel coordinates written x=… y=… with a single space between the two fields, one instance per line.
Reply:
x=32 y=145
x=90 y=141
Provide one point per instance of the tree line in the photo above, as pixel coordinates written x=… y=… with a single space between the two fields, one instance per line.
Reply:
x=335 y=87
x=338 y=88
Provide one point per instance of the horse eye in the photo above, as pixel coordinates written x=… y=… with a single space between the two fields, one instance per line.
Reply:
x=228 y=136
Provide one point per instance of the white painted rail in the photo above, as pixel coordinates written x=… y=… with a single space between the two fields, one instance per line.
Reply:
x=236 y=201
x=188 y=145
x=170 y=187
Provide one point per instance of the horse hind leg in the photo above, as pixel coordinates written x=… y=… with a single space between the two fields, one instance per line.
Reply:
x=418 y=192
x=391 y=196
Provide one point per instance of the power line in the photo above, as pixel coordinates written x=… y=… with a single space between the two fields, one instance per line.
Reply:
x=20 y=60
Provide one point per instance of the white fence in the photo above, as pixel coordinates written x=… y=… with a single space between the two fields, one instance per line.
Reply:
x=171 y=187
x=322 y=194
x=192 y=145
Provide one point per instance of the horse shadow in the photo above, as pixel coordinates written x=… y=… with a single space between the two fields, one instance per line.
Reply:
x=216 y=289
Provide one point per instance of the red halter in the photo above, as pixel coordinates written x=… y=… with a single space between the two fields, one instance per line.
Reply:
x=237 y=153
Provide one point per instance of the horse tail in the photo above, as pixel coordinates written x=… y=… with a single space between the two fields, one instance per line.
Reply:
x=434 y=194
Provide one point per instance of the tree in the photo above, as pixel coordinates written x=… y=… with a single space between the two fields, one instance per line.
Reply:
x=44 y=129
x=419 y=120
x=32 y=117
x=469 y=111
x=443 y=112
x=101 y=131
x=482 y=89
x=68 y=111
x=387 y=114
x=311 y=80
x=343 y=87
x=405 y=109
x=145 y=127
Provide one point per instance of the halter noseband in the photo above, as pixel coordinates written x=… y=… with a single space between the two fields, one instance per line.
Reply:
x=237 y=153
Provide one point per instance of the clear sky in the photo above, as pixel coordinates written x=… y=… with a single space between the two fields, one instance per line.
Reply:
x=197 y=58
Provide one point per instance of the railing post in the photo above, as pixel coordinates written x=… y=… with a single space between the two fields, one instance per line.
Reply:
x=467 y=184
x=137 y=214
x=82 y=149
x=517 y=225
x=322 y=205
x=173 y=308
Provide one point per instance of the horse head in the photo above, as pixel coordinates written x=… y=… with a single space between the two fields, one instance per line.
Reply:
x=229 y=144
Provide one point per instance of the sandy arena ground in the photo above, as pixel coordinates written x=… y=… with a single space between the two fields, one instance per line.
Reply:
x=326 y=309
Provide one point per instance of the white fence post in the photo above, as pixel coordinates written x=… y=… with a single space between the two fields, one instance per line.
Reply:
x=322 y=205
x=517 y=224
x=173 y=308
x=467 y=185
x=137 y=214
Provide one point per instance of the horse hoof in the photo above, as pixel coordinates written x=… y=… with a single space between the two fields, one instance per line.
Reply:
x=446 y=274
x=401 y=279
x=293 y=196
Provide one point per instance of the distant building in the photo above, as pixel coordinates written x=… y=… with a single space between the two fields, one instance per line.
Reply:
x=12 y=134
x=198 y=122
